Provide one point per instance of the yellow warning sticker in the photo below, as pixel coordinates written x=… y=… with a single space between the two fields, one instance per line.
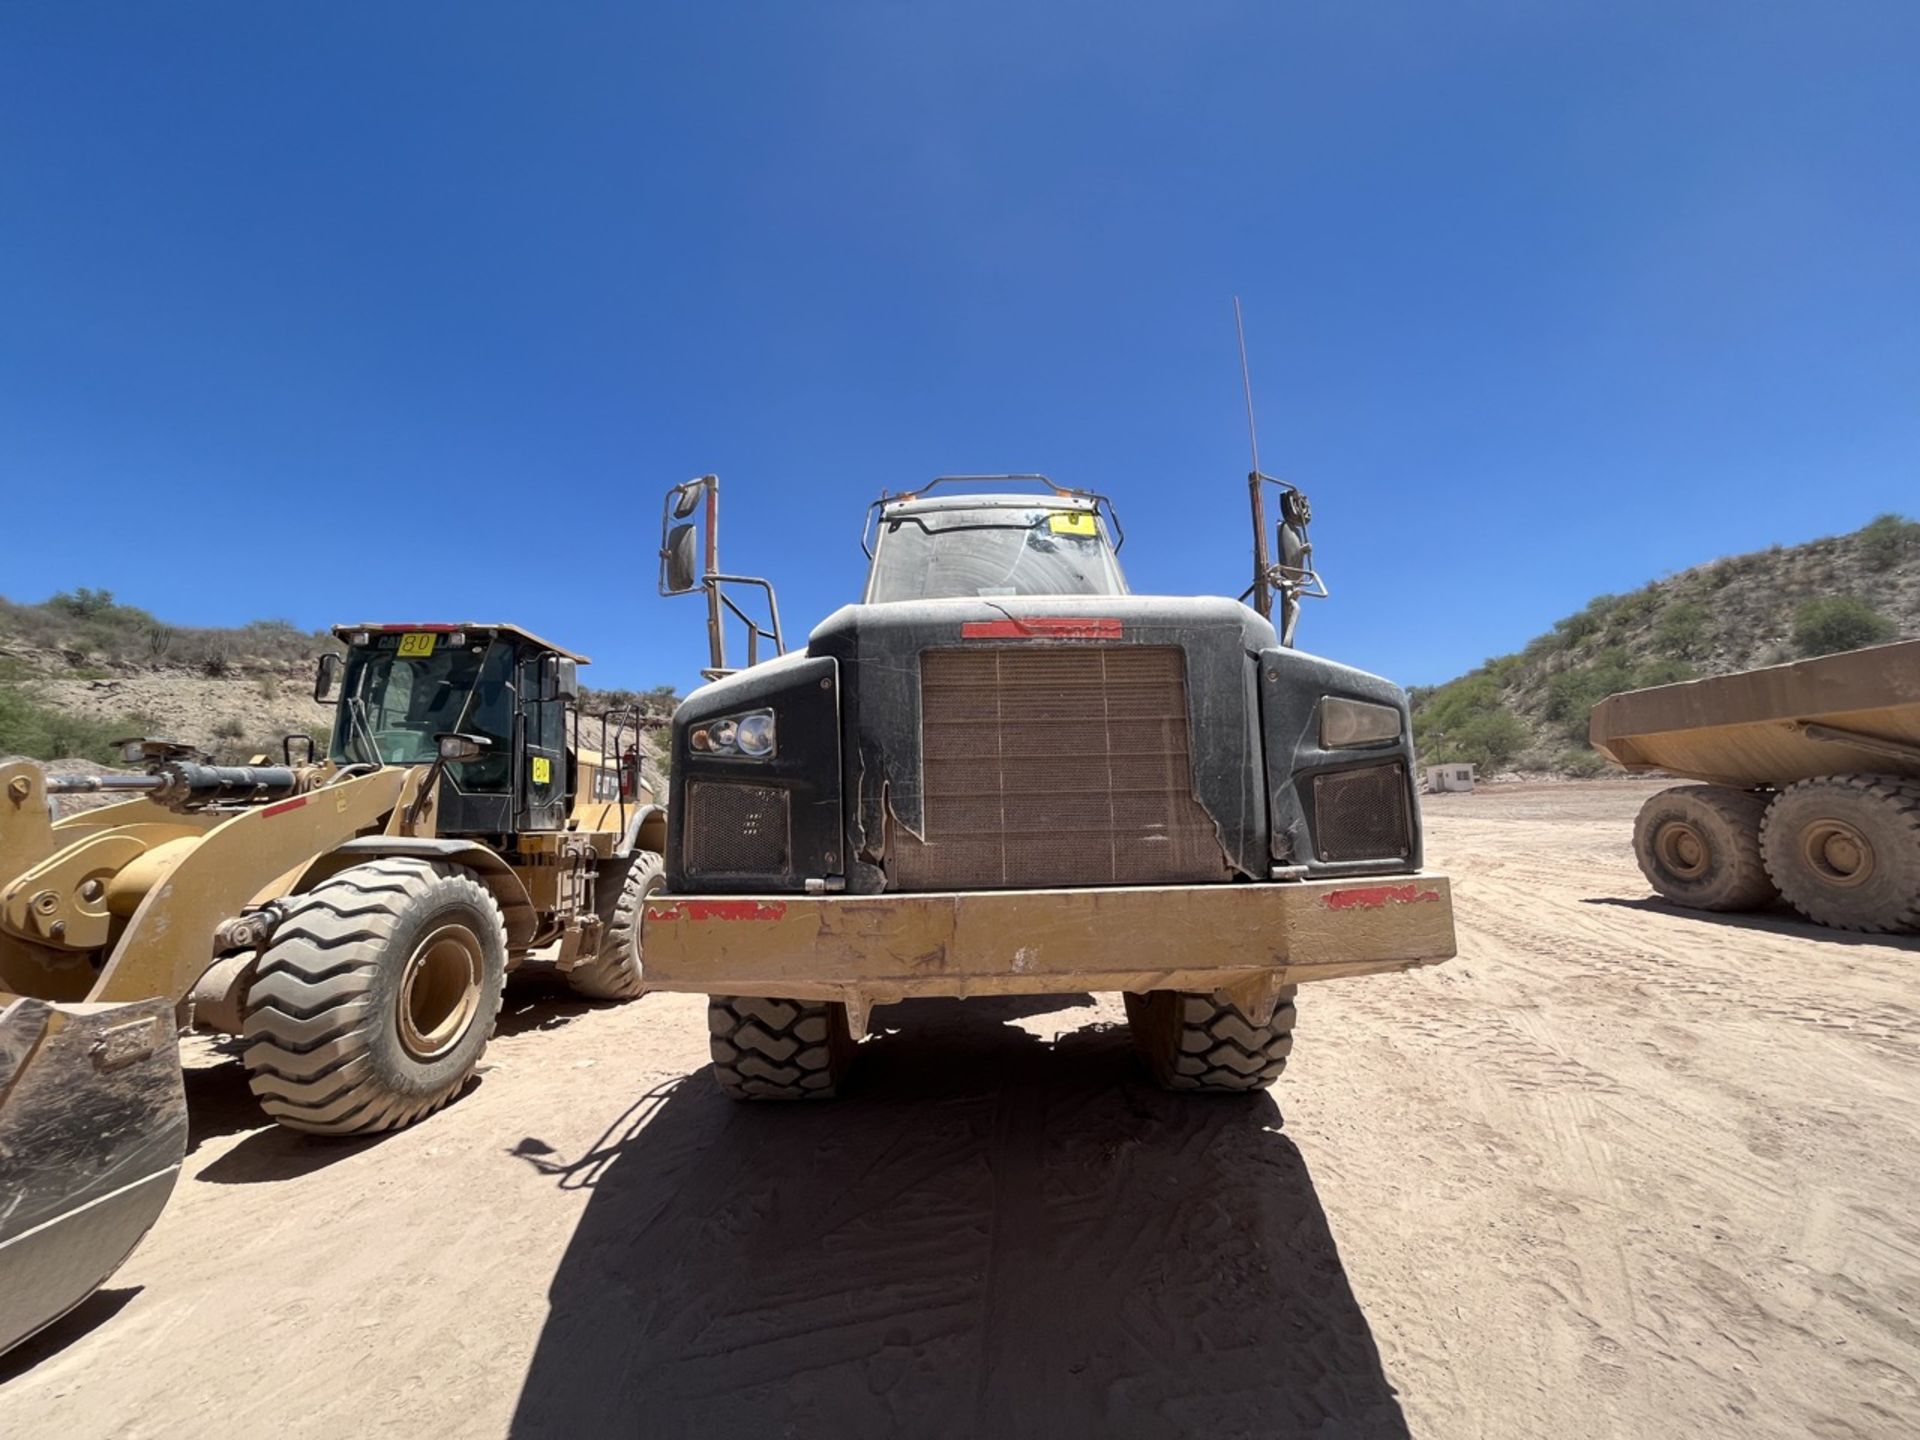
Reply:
x=1071 y=522
x=416 y=644
x=542 y=770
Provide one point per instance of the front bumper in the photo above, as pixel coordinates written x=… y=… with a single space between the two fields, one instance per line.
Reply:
x=1244 y=941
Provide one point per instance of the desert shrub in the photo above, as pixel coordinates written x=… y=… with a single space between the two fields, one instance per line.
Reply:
x=215 y=662
x=1581 y=762
x=1681 y=630
x=41 y=732
x=1839 y=622
x=230 y=727
x=1887 y=540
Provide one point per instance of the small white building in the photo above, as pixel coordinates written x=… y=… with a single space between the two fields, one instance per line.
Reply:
x=1449 y=777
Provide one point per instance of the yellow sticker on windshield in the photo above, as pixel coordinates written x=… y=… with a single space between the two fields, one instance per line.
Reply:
x=1071 y=522
x=542 y=770
x=416 y=645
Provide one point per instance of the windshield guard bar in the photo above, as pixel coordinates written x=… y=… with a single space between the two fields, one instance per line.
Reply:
x=1100 y=503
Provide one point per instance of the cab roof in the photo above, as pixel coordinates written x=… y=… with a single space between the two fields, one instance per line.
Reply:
x=929 y=504
x=442 y=627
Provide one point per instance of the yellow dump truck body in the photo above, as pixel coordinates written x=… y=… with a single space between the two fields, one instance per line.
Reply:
x=1837 y=714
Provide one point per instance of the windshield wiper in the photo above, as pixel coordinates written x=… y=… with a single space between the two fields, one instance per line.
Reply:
x=357 y=711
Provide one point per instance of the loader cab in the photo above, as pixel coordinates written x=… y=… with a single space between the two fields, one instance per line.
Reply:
x=491 y=701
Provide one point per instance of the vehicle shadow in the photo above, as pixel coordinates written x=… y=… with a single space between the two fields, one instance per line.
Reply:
x=89 y=1315
x=992 y=1235
x=1781 y=920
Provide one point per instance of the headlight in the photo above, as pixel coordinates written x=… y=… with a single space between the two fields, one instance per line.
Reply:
x=748 y=737
x=755 y=735
x=1345 y=723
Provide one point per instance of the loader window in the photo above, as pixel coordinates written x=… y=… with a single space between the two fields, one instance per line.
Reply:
x=397 y=704
x=949 y=554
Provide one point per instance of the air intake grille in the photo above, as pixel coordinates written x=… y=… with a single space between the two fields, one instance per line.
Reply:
x=736 y=829
x=1058 y=766
x=1362 y=814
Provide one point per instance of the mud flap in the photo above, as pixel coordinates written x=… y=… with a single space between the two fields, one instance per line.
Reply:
x=93 y=1127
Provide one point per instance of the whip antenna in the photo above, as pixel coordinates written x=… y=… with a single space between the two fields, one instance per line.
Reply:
x=1246 y=385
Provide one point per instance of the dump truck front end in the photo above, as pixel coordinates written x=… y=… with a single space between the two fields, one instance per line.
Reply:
x=1049 y=794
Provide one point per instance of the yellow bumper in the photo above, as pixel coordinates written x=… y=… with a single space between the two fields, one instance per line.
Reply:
x=1244 y=940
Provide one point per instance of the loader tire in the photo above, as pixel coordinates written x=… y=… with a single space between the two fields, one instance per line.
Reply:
x=375 y=1000
x=1192 y=1042
x=616 y=971
x=1845 y=851
x=778 y=1049
x=1699 y=846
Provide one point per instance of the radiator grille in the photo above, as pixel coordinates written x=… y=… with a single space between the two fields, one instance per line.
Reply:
x=1056 y=767
x=1362 y=814
x=736 y=829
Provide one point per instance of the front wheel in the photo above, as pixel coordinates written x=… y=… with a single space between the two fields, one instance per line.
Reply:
x=1192 y=1042
x=766 y=1049
x=376 y=999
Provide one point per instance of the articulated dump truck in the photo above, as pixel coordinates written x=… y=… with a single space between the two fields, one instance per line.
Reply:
x=1812 y=789
x=1002 y=773
x=349 y=918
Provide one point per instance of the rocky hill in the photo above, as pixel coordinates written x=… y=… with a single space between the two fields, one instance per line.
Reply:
x=82 y=670
x=1528 y=711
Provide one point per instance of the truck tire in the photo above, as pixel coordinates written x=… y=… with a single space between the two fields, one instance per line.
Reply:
x=375 y=1000
x=1699 y=845
x=1192 y=1042
x=616 y=971
x=1845 y=851
x=778 y=1049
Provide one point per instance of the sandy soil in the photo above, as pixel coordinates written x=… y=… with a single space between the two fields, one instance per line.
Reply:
x=1618 y=1170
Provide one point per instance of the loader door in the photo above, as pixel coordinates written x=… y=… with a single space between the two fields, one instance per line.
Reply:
x=543 y=761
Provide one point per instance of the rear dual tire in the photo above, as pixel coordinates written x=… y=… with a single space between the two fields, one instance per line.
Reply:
x=1845 y=851
x=1699 y=846
x=770 y=1049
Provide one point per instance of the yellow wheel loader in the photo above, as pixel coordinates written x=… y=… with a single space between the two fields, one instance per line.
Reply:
x=349 y=917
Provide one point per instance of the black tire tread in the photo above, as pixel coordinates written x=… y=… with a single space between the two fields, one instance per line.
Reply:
x=1193 y=1042
x=769 y=1049
x=309 y=1019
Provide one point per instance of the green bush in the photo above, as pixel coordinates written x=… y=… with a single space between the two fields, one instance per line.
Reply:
x=1581 y=762
x=1682 y=629
x=1887 y=540
x=1839 y=622
x=40 y=732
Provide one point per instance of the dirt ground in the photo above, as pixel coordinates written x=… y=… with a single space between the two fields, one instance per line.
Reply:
x=1616 y=1171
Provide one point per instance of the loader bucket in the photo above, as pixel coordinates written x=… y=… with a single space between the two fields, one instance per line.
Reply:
x=93 y=1126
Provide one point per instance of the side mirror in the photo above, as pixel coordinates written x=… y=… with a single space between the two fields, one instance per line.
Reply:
x=455 y=747
x=679 y=558
x=684 y=499
x=326 y=679
x=566 y=679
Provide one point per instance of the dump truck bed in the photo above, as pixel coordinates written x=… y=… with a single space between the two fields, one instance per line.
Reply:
x=1836 y=714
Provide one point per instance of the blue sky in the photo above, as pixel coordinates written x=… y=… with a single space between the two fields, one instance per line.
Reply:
x=323 y=312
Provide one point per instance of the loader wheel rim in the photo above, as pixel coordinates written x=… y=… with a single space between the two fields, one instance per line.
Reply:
x=1683 y=850
x=439 y=992
x=1837 y=852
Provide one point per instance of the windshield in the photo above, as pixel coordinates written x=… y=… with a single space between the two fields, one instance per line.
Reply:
x=403 y=689
x=992 y=551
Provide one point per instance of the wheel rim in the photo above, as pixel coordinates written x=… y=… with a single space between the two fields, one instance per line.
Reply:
x=439 y=992
x=1837 y=852
x=1682 y=850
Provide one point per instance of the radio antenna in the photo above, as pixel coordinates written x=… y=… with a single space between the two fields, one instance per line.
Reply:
x=1246 y=384
x=1262 y=588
